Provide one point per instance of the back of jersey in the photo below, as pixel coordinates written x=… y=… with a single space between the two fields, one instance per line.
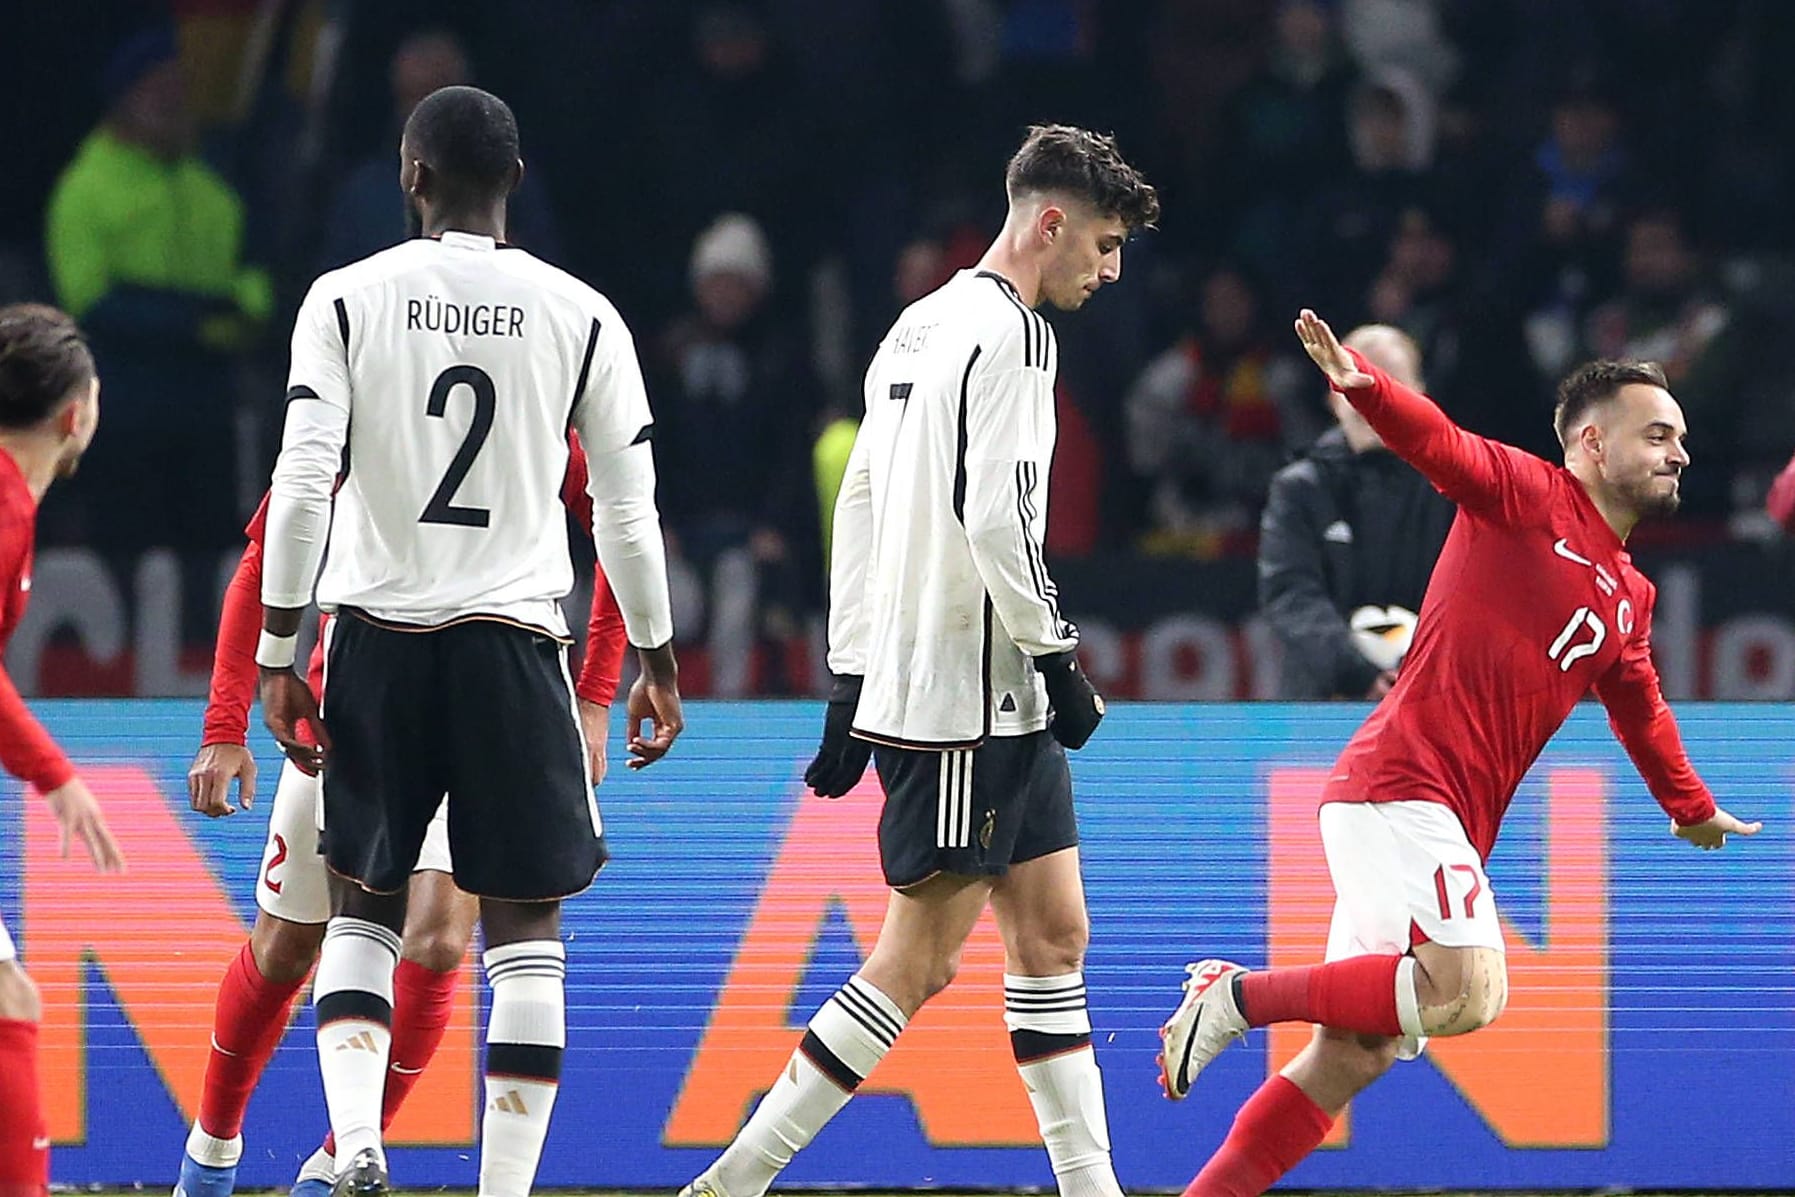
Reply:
x=462 y=366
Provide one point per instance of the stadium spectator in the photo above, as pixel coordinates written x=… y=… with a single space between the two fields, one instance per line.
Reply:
x=1781 y=504
x=145 y=246
x=364 y=218
x=1212 y=418
x=736 y=403
x=1664 y=312
x=1348 y=540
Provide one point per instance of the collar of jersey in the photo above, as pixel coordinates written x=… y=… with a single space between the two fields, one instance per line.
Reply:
x=467 y=240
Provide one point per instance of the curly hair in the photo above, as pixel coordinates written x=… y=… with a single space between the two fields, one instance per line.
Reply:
x=1065 y=158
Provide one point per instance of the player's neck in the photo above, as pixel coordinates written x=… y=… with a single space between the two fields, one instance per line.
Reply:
x=36 y=457
x=1000 y=259
x=482 y=224
x=1618 y=515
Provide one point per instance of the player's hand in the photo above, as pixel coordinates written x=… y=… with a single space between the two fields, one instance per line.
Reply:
x=1381 y=684
x=1077 y=707
x=654 y=696
x=1325 y=351
x=209 y=779
x=288 y=702
x=78 y=815
x=595 y=723
x=1711 y=833
x=840 y=760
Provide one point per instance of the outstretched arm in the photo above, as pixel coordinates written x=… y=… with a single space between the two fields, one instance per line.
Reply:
x=1479 y=474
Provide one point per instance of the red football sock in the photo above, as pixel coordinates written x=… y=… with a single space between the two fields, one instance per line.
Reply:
x=24 y=1144
x=1272 y=1134
x=247 y=1025
x=422 y=1002
x=1357 y=994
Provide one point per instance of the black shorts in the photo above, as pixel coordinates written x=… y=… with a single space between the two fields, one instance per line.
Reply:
x=482 y=711
x=973 y=811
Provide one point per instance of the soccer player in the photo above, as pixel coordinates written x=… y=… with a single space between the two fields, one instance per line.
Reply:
x=49 y=408
x=292 y=889
x=957 y=674
x=461 y=364
x=1533 y=603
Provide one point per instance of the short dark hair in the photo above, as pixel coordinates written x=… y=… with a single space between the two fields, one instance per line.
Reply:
x=1086 y=164
x=1593 y=382
x=468 y=137
x=43 y=358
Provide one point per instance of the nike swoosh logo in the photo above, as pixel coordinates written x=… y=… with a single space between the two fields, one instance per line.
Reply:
x=1190 y=1045
x=1562 y=548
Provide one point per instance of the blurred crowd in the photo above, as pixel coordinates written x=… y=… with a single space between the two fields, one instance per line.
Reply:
x=762 y=184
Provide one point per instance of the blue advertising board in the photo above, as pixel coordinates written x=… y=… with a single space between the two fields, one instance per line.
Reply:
x=1649 y=1042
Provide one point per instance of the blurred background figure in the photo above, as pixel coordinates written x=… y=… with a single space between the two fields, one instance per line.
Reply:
x=1211 y=418
x=1347 y=545
x=735 y=408
x=146 y=248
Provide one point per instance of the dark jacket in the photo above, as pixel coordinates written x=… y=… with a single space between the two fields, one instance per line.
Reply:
x=1342 y=530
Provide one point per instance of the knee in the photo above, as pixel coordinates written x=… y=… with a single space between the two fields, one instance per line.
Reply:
x=940 y=974
x=284 y=952
x=437 y=946
x=19 y=1000
x=1467 y=994
x=1052 y=951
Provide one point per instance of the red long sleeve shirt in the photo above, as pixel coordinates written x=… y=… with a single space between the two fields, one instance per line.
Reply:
x=1533 y=603
x=234 y=678
x=26 y=749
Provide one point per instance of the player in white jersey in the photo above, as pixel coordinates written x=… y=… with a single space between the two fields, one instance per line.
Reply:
x=957 y=673
x=460 y=364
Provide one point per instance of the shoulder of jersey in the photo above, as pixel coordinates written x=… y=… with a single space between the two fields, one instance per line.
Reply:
x=552 y=278
x=1012 y=333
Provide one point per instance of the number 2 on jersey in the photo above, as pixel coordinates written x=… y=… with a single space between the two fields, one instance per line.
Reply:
x=440 y=510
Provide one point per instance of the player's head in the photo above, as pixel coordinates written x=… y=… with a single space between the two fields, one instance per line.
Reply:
x=48 y=387
x=1075 y=200
x=459 y=155
x=1622 y=431
x=1396 y=354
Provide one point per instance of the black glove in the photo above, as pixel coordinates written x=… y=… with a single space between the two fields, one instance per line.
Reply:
x=841 y=759
x=1077 y=708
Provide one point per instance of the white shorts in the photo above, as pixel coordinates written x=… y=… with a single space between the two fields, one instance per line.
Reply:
x=294 y=884
x=1404 y=871
x=7 y=950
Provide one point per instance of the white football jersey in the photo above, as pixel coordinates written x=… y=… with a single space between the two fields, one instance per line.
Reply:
x=939 y=595
x=440 y=379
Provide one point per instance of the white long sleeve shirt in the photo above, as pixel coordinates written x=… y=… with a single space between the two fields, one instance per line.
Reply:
x=939 y=595
x=440 y=378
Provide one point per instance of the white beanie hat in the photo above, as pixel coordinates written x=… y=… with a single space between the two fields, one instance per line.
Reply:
x=733 y=244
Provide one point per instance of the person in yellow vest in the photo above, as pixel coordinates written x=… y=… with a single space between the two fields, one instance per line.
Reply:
x=146 y=248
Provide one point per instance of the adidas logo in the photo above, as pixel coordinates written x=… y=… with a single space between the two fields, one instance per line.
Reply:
x=510 y=1102
x=361 y=1041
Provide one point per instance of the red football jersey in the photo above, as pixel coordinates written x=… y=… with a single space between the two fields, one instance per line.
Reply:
x=1533 y=603
x=26 y=749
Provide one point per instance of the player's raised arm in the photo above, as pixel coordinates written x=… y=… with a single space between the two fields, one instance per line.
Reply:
x=1002 y=505
x=616 y=428
x=1473 y=471
x=1643 y=722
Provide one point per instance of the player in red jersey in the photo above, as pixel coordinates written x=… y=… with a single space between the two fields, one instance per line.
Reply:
x=1534 y=602
x=291 y=891
x=49 y=408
